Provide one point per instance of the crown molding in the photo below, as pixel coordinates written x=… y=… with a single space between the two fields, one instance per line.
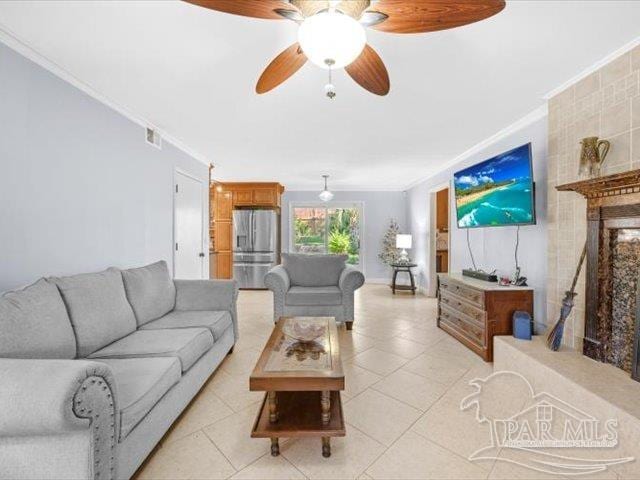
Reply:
x=593 y=68
x=12 y=41
x=528 y=119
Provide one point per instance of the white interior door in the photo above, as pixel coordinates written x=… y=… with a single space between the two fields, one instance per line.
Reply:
x=188 y=219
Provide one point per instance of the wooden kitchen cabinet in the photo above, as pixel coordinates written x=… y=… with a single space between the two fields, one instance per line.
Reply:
x=249 y=194
x=265 y=196
x=224 y=265
x=242 y=197
x=223 y=206
x=221 y=230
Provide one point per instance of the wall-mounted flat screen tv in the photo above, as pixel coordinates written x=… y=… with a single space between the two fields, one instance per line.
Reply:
x=497 y=192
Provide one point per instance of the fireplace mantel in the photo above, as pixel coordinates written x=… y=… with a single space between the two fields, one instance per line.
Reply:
x=613 y=225
x=611 y=185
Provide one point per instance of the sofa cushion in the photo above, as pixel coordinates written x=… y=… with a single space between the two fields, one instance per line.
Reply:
x=216 y=321
x=313 y=296
x=98 y=308
x=150 y=291
x=313 y=270
x=34 y=324
x=186 y=344
x=140 y=384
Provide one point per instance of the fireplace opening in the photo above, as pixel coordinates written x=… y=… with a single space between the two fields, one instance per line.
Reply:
x=625 y=266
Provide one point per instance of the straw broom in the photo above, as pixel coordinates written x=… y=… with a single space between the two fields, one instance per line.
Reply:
x=554 y=339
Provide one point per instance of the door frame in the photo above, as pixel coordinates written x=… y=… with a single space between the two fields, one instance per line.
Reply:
x=204 y=241
x=433 y=199
x=339 y=204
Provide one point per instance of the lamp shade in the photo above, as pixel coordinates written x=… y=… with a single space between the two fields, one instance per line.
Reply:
x=403 y=241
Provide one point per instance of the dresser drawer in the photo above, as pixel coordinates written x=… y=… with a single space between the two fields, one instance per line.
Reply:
x=476 y=297
x=466 y=326
x=456 y=303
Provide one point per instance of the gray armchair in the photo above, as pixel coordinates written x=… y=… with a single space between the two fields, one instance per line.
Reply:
x=314 y=285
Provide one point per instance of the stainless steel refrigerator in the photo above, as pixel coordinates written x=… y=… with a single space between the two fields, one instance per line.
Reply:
x=256 y=244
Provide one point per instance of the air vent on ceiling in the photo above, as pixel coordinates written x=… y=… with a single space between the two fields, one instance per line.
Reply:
x=153 y=138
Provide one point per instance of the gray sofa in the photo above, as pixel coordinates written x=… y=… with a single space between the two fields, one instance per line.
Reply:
x=94 y=368
x=314 y=285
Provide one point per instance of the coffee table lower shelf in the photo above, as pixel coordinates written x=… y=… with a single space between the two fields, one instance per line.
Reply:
x=299 y=415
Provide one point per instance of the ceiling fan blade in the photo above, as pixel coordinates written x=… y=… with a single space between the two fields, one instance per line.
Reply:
x=247 y=8
x=416 y=16
x=281 y=68
x=369 y=72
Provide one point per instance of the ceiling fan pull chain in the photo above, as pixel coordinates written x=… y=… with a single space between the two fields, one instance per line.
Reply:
x=330 y=88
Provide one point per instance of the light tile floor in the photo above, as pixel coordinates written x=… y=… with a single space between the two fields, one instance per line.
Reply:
x=405 y=379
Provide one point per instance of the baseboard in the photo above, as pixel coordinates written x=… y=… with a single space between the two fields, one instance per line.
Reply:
x=378 y=281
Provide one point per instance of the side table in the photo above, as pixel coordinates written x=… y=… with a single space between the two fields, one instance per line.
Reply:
x=406 y=268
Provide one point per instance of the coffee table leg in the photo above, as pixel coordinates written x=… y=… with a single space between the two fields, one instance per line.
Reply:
x=325 y=402
x=273 y=407
x=275 y=447
x=326 y=447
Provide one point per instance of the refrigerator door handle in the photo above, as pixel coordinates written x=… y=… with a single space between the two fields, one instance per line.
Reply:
x=253 y=231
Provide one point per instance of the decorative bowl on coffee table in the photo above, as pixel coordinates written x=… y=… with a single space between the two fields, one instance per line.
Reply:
x=302 y=330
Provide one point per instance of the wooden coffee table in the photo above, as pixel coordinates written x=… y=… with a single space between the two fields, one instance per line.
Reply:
x=303 y=382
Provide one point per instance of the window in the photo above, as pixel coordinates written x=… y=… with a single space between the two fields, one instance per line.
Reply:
x=327 y=228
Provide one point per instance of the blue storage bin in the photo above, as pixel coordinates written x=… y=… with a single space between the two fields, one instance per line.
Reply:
x=522 y=325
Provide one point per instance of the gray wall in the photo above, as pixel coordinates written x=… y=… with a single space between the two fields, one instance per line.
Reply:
x=379 y=209
x=493 y=248
x=80 y=190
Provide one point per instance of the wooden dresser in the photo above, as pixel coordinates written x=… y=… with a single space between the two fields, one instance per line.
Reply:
x=473 y=311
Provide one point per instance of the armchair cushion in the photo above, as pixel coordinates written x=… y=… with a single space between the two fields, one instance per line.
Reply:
x=150 y=291
x=98 y=308
x=34 y=324
x=187 y=344
x=218 y=322
x=313 y=296
x=313 y=270
x=141 y=383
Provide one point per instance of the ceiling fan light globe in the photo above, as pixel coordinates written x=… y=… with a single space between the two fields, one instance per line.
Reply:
x=326 y=196
x=331 y=36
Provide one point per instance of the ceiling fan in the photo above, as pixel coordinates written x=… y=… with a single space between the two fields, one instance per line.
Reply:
x=332 y=32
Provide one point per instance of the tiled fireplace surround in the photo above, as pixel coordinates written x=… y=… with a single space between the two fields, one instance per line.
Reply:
x=606 y=104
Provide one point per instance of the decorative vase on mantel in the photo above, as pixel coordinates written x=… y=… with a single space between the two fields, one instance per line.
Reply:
x=592 y=155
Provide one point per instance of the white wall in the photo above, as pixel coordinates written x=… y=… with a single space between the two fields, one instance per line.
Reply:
x=493 y=248
x=379 y=208
x=80 y=190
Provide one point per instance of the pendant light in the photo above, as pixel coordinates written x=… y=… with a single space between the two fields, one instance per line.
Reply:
x=325 y=195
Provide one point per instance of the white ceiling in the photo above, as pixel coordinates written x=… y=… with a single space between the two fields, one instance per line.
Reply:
x=191 y=72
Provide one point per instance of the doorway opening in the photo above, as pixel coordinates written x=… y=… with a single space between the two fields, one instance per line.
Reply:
x=440 y=257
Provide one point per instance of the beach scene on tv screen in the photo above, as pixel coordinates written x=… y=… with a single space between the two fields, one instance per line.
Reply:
x=496 y=192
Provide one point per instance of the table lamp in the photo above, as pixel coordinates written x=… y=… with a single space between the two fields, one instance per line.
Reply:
x=403 y=241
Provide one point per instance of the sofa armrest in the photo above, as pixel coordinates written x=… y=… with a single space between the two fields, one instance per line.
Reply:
x=277 y=279
x=351 y=279
x=47 y=397
x=202 y=295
